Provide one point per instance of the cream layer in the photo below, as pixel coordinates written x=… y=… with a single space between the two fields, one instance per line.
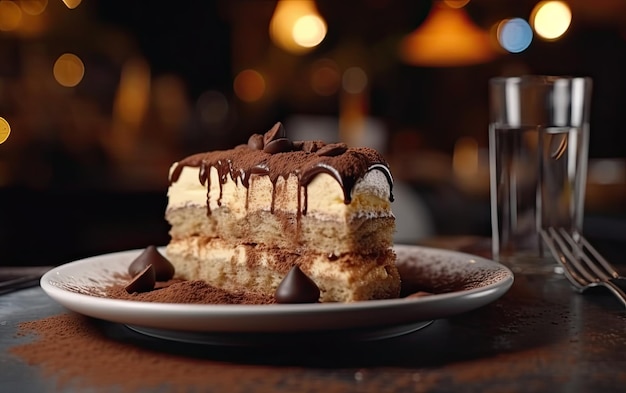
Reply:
x=351 y=277
x=322 y=198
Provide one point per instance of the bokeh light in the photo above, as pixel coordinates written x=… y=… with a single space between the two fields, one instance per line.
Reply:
x=296 y=26
x=10 y=15
x=133 y=93
x=325 y=77
x=71 y=4
x=68 y=70
x=551 y=19
x=249 y=85
x=213 y=108
x=5 y=130
x=448 y=37
x=169 y=99
x=33 y=7
x=354 y=80
x=309 y=31
x=465 y=157
x=607 y=171
x=514 y=35
x=456 y=3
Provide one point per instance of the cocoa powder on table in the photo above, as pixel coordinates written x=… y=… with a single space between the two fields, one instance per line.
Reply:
x=72 y=351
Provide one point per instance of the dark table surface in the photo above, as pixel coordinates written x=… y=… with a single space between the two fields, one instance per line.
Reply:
x=540 y=336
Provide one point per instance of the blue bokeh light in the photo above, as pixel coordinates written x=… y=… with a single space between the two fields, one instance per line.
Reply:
x=515 y=35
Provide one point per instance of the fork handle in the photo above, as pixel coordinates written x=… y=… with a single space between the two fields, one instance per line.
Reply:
x=617 y=285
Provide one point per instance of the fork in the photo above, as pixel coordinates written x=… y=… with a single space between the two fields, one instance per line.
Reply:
x=583 y=265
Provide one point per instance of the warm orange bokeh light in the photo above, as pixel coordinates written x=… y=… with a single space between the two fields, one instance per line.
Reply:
x=68 y=70
x=10 y=15
x=5 y=130
x=33 y=7
x=325 y=77
x=249 y=85
x=465 y=157
x=296 y=26
x=71 y=4
x=133 y=94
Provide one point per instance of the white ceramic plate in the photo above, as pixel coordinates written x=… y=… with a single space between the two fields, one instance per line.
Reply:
x=460 y=283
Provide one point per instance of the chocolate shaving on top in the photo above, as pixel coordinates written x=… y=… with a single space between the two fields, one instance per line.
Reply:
x=275 y=156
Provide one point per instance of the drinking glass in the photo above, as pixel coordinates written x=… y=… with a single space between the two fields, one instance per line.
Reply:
x=538 y=144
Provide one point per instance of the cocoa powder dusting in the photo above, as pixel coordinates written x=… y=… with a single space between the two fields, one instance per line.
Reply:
x=72 y=351
x=77 y=353
x=190 y=292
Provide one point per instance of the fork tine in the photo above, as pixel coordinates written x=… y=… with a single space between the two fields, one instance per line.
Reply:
x=560 y=254
x=574 y=268
x=606 y=264
x=580 y=250
x=573 y=260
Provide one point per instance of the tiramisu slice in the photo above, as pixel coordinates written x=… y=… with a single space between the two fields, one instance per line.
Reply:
x=243 y=218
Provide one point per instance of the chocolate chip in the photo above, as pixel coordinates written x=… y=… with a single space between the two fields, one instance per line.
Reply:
x=142 y=282
x=163 y=269
x=256 y=141
x=297 y=287
x=281 y=145
x=276 y=132
x=334 y=149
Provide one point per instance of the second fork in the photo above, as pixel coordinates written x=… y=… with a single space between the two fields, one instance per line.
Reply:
x=583 y=265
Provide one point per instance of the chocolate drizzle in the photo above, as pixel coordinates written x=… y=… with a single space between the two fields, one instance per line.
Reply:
x=275 y=156
x=204 y=175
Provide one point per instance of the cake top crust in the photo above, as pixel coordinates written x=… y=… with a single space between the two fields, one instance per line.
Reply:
x=274 y=155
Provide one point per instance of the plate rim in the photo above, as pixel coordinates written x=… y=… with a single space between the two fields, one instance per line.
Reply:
x=76 y=301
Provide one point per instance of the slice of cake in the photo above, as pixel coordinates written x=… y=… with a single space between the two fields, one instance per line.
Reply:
x=243 y=218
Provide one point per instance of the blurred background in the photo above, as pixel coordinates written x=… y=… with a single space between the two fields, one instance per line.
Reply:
x=101 y=96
